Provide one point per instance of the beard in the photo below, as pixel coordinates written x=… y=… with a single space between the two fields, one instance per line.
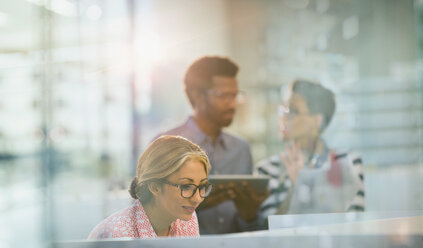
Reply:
x=226 y=123
x=225 y=119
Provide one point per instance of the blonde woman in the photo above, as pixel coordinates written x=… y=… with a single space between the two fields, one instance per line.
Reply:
x=171 y=181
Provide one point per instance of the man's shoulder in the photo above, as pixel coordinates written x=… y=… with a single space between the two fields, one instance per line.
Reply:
x=181 y=130
x=178 y=130
x=234 y=140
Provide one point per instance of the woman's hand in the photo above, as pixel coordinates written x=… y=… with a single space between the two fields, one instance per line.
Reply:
x=293 y=159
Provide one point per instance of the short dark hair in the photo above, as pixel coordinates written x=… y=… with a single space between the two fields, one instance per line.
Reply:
x=200 y=73
x=320 y=100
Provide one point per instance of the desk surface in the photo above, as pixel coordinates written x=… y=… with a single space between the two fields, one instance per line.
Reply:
x=298 y=220
x=395 y=232
x=394 y=226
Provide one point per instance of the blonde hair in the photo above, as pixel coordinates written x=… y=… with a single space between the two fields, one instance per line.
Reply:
x=163 y=157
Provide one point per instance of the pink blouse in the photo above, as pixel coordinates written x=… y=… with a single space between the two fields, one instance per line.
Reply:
x=133 y=222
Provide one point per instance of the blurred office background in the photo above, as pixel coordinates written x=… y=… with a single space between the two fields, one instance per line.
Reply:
x=86 y=84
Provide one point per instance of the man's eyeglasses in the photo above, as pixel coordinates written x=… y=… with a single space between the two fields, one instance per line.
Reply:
x=226 y=96
x=188 y=190
x=286 y=111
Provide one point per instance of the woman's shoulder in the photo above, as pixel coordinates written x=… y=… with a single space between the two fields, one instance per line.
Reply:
x=119 y=224
x=349 y=157
x=271 y=166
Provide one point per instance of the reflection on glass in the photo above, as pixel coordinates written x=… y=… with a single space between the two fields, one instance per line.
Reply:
x=67 y=113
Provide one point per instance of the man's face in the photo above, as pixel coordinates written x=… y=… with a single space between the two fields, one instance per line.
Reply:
x=296 y=121
x=220 y=101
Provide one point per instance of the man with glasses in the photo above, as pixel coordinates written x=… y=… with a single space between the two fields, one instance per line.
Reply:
x=307 y=166
x=212 y=89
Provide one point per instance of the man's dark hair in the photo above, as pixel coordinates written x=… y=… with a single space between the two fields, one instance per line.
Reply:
x=320 y=100
x=200 y=74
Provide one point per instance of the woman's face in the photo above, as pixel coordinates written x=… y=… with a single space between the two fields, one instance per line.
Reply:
x=296 y=121
x=170 y=200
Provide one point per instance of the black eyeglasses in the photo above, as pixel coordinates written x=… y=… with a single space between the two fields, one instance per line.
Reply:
x=188 y=190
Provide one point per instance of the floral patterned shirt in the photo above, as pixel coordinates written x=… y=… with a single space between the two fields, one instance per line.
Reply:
x=133 y=222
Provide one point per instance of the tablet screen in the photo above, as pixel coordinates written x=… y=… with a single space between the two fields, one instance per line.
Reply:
x=258 y=182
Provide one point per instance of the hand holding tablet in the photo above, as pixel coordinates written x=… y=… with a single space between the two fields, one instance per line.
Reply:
x=246 y=191
x=257 y=182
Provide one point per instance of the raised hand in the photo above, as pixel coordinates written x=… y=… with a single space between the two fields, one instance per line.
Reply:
x=293 y=159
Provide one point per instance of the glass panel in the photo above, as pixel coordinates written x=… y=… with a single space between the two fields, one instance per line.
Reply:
x=86 y=85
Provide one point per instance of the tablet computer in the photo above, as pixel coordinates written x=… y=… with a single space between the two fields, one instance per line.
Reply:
x=258 y=182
